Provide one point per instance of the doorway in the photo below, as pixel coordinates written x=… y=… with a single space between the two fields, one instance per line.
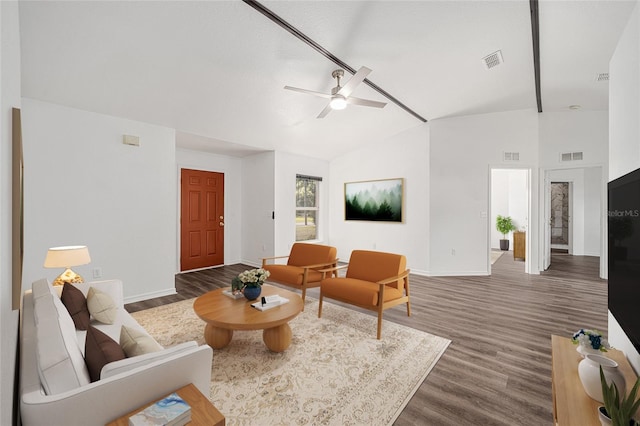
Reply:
x=510 y=196
x=560 y=217
x=201 y=219
x=573 y=214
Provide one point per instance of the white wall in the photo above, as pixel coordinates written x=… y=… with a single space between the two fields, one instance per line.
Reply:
x=594 y=201
x=286 y=168
x=231 y=167
x=624 y=134
x=9 y=98
x=405 y=155
x=257 y=200
x=84 y=186
x=509 y=197
x=573 y=131
x=463 y=149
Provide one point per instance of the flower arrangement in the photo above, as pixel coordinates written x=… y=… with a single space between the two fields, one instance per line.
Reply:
x=591 y=339
x=251 y=278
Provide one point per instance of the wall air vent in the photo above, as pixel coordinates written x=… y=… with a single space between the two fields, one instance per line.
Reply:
x=511 y=156
x=571 y=156
x=603 y=76
x=492 y=60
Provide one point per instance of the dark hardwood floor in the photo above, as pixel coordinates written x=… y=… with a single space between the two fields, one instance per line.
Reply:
x=497 y=370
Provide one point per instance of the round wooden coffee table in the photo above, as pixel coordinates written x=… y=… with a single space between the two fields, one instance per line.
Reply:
x=224 y=314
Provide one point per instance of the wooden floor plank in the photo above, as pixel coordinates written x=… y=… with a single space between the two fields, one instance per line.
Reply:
x=497 y=370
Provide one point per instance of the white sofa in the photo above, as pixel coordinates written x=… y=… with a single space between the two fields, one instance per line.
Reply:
x=55 y=388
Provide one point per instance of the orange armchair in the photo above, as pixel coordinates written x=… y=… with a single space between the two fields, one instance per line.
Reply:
x=303 y=265
x=375 y=281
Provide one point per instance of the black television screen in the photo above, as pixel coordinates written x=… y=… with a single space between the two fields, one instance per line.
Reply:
x=624 y=253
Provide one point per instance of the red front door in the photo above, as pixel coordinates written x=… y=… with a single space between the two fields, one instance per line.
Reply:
x=201 y=219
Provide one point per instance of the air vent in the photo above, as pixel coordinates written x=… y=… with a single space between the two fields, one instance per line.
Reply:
x=571 y=156
x=603 y=76
x=492 y=60
x=511 y=156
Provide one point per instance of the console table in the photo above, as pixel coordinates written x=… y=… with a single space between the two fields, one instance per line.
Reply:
x=519 y=245
x=571 y=404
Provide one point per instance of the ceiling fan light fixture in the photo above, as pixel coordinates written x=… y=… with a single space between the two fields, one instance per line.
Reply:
x=338 y=102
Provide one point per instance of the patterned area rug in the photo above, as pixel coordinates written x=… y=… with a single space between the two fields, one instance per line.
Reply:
x=334 y=373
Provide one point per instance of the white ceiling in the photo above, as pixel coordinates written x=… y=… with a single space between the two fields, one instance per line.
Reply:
x=215 y=70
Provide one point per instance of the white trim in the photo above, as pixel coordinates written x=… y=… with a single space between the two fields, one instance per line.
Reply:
x=150 y=295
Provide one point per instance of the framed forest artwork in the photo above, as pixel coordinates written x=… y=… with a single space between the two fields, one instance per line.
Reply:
x=374 y=200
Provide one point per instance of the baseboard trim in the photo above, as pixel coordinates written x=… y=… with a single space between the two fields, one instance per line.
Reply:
x=151 y=295
x=457 y=273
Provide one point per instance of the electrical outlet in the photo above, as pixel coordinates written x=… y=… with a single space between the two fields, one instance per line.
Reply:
x=453 y=252
x=97 y=272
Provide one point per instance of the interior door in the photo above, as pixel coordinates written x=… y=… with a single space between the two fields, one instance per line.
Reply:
x=546 y=257
x=201 y=219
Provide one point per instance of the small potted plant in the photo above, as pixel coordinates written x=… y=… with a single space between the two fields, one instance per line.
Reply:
x=249 y=282
x=590 y=342
x=618 y=409
x=504 y=225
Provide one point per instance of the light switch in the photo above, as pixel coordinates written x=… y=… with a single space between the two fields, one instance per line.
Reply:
x=131 y=140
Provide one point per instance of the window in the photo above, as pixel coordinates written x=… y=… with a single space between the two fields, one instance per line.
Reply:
x=307 y=206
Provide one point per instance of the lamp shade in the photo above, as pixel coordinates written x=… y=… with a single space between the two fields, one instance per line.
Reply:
x=67 y=256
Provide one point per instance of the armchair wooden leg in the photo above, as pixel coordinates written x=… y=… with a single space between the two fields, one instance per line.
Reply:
x=379 y=325
x=320 y=306
x=408 y=309
x=304 y=294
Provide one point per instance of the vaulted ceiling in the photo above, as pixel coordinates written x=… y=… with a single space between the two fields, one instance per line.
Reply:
x=215 y=70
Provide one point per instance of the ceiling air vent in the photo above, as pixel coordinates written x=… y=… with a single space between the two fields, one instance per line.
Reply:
x=511 y=156
x=603 y=76
x=571 y=156
x=492 y=60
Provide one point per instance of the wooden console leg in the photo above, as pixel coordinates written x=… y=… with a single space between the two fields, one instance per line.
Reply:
x=216 y=337
x=277 y=338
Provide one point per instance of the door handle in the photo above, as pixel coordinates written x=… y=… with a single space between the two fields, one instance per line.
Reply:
x=221 y=223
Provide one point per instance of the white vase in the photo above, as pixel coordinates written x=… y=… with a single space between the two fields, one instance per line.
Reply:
x=589 y=372
x=584 y=350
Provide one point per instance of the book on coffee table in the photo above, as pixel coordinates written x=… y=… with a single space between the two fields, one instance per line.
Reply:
x=169 y=411
x=268 y=302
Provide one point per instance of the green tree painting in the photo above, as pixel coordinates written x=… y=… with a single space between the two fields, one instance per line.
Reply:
x=379 y=200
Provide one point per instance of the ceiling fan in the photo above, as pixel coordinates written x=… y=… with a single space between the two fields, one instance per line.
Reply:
x=341 y=95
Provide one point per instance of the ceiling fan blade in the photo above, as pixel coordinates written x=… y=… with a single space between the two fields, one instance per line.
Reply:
x=365 y=102
x=308 y=92
x=325 y=111
x=357 y=78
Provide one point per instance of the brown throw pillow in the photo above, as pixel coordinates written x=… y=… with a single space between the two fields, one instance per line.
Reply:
x=100 y=350
x=76 y=304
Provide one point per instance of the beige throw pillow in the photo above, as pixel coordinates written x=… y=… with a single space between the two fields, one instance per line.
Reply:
x=101 y=306
x=135 y=342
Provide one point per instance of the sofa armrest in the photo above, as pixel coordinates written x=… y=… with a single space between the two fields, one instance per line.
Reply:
x=105 y=400
x=127 y=364
x=265 y=259
x=334 y=270
x=394 y=278
x=319 y=265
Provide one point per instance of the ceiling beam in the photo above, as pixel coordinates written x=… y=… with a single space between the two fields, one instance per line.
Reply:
x=300 y=35
x=535 y=35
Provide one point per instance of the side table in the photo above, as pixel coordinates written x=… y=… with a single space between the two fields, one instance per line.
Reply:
x=571 y=404
x=202 y=410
